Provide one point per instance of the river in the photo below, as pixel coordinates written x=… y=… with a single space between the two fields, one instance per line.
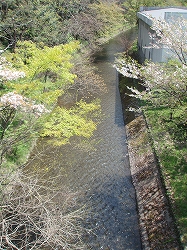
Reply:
x=101 y=173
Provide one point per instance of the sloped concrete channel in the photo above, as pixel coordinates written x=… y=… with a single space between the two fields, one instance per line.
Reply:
x=110 y=189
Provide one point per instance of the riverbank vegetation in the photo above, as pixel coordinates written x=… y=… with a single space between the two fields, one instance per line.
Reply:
x=47 y=61
x=163 y=99
x=170 y=144
x=29 y=110
x=48 y=90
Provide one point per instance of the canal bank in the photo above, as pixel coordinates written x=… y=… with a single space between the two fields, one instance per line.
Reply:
x=157 y=223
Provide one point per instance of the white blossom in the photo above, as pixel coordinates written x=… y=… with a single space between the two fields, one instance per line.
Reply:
x=7 y=72
x=9 y=75
x=127 y=68
x=170 y=34
x=17 y=101
x=164 y=83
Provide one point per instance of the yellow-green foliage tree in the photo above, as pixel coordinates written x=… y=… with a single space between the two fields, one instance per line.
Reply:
x=48 y=70
x=31 y=98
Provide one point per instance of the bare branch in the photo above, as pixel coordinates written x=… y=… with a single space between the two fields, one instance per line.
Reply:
x=36 y=214
x=3 y=50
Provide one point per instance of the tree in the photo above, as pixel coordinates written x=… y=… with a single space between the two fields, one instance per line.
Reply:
x=18 y=116
x=29 y=105
x=133 y=6
x=59 y=21
x=111 y=16
x=26 y=94
x=9 y=105
x=98 y=20
x=7 y=73
x=26 y=20
x=164 y=83
x=67 y=9
x=171 y=35
x=85 y=27
x=48 y=70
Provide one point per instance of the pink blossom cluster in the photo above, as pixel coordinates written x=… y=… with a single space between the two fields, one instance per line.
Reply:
x=17 y=101
x=128 y=67
x=7 y=73
x=3 y=61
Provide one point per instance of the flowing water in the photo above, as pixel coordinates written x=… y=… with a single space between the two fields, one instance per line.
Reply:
x=101 y=173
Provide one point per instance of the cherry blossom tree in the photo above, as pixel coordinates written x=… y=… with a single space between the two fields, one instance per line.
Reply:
x=164 y=83
x=7 y=73
x=171 y=35
x=17 y=113
x=18 y=116
x=16 y=101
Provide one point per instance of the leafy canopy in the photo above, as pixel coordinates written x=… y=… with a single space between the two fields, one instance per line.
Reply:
x=48 y=70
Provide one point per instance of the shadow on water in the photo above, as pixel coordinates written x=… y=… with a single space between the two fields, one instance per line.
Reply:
x=128 y=102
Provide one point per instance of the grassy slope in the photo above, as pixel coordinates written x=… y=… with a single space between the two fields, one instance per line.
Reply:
x=171 y=148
